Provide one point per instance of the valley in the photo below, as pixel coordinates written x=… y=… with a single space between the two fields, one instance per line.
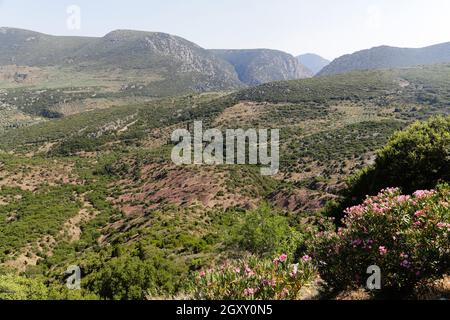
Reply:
x=86 y=177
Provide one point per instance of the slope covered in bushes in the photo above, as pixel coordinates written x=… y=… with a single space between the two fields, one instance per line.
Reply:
x=414 y=159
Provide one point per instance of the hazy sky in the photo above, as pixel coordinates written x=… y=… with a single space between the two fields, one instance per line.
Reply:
x=327 y=27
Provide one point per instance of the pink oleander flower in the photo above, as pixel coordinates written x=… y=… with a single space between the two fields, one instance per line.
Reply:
x=379 y=209
x=356 y=243
x=390 y=191
x=442 y=225
x=421 y=194
x=383 y=250
x=306 y=258
x=283 y=258
x=419 y=213
x=405 y=264
x=250 y=291
x=270 y=283
x=249 y=272
x=356 y=210
x=294 y=272
x=402 y=199
x=284 y=293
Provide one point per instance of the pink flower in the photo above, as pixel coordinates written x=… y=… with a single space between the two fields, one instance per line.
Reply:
x=419 y=213
x=283 y=258
x=237 y=270
x=418 y=223
x=356 y=243
x=421 y=194
x=249 y=272
x=284 y=293
x=442 y=225
x=405 y=264
x=355 y=211
x=383 y=250
x=294 y=272
x=202 y=274
x=270 y=283
x=306 y=258
x=250 y=291
x=403 y=199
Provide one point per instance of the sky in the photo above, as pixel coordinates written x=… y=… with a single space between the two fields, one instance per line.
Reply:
x=326 y=27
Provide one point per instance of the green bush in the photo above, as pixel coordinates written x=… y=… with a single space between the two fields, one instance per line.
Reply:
x=406 y=236
x=133 y=275
x=255 y=279
x=13 y=287
x=264 y=233
x=414 y=159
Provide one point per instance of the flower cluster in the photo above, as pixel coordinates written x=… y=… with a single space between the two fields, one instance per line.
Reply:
x=406 y=236
x=256 y=279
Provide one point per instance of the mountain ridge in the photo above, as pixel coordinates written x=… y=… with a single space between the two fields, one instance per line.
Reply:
x=167 y=56
x=258 y=66
x=313 y=62
x=386 y=57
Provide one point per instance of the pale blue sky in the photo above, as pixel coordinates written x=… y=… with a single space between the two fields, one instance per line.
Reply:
x=327 y=27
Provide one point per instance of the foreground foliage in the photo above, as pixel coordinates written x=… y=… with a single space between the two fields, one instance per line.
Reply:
x=256 y=279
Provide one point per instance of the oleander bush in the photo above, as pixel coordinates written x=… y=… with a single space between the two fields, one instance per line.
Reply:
x=254 y=279
x=406 y=236
x=416 y=158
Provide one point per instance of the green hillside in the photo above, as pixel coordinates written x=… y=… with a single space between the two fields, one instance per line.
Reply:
x=98 y=189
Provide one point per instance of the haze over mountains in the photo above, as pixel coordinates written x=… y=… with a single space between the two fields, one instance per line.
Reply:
x=385 y=57
x=313 y=62
x=260 y=66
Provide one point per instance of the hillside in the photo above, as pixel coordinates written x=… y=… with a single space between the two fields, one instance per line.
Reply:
x=170 y=64
x=44 y=77
x=98 y=189
x=313 y=62
x=385 y=57
x=259 y=66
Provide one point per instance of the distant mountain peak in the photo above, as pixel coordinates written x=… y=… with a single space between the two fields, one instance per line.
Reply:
x=387 y=57
x=313 y=62
x=258 y=66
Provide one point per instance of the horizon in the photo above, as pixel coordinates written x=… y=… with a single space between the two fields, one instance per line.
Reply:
x=221 y=48
x=323 y=28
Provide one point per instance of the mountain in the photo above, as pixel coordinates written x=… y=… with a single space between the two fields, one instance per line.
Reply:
x=385 y=57
x=258 y=66
x=313 y=62
x=165 y=56
x=99 y=189
x=29 y=48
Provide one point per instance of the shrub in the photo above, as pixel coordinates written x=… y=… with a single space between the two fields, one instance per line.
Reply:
x=255 y=279
x=414 y=159
x=265 y=233
x=13 y=287
x=406 y=236
x=134 y=274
